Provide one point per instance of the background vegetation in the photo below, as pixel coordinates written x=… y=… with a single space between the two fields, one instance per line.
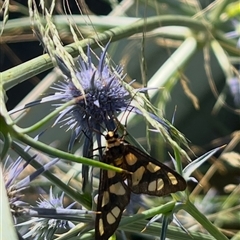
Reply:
x=186 y=53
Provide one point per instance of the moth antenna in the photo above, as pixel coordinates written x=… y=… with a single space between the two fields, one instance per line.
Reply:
x=129 y=108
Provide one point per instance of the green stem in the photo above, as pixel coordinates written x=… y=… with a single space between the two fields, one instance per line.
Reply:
x=166 y=208
x=8 y=230
x=192 y=210
x=50 y=116
x=16 y=132
x=40 y=64
x=217 y=11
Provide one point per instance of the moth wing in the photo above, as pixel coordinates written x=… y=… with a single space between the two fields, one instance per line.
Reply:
x=114 y=196
x=150 y=176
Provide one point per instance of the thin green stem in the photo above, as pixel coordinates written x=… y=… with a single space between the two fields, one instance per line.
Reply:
x=6 y=220
x=16 y=132
x=201 y=218
x=50 y=116
x=166 y=208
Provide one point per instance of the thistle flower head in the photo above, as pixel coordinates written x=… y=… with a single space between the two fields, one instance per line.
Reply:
x=14 y=186
x=101 y=97
x=104 y=96
x=45 y=228
x=11 y=174
x=52 y=202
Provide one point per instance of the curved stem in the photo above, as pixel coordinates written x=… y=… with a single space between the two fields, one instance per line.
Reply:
x=40 y=64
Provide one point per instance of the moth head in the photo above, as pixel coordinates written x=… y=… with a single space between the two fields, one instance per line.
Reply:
x=111 y=135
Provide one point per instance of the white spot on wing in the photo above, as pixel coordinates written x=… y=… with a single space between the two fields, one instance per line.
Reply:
x=152 y=186
x=110 y=218
x=111 y=174
x=113 y=215
x=100 y=227
x=153 y=167
x=105 y=198
x=172 y=178
x=116 y=211
x=117 y=189
x=160 y=184
x=131 y=159
x=137 y=175
x=156 y=185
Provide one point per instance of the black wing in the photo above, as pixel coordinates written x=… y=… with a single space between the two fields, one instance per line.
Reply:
x=114 y=196
x=150 y=176
x=147 y=176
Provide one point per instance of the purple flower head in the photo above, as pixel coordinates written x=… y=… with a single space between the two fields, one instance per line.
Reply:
x=14 y=186
x=45 y=228
x=99 y=95
x=104 y=94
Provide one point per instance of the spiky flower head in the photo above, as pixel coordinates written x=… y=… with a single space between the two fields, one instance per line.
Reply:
x=14 y=186
x=99 y=99
x=45 y=228
x=104 y=96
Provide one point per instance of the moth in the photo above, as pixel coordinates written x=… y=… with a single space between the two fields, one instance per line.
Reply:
x=144 y=174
